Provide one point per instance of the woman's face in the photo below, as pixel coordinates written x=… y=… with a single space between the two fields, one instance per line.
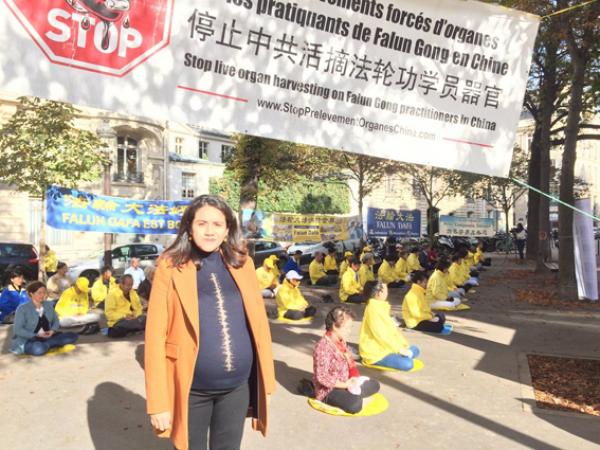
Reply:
x=63 y=271
x=344 y=330
x=209 y=228
x=39 y=295
x=17 y=281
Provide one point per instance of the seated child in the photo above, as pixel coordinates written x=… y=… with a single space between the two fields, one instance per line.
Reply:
x=416 y=311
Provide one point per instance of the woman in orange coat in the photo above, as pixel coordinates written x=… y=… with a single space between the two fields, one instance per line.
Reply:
x=208 y=358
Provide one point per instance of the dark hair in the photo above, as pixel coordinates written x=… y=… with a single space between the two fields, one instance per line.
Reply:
x=414 y=250
x=391 y=256
x=417 y=277
x=462 y=252
x=60 y=265
x=442 y=264
x=105 y=269
x=371 y=288
x=14 y=272
x=337 y=316
x=298 y=252
x=234 y=248
x=456 y=257
x=354 y=261
x=127 y=275
x=331 y=250
x=34 y=286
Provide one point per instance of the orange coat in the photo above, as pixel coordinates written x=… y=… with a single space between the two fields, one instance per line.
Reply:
x=173 y=338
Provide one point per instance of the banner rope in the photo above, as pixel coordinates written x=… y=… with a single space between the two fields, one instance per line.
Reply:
x=556 y=199
x=570 y=8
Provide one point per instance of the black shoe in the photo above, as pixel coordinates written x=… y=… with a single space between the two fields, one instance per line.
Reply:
x=91 y=328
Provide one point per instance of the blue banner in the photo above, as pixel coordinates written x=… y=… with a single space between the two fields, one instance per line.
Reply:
x=393 y=222
x=69 y=209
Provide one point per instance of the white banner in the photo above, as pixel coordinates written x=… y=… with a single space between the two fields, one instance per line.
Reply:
x=466 y=226
x=429 y=82
x=585 y=252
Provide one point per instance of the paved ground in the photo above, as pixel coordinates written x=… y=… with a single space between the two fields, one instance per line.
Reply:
x=468 y=396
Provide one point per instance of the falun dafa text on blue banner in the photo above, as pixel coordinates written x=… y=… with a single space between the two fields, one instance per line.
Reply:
x=393 y=222
x=70 y=209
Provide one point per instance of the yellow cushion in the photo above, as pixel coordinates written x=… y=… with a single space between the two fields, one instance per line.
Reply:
x=417 y=365
x=55 y=351
x=304 y=320
x=377 y=404
x=461 y=307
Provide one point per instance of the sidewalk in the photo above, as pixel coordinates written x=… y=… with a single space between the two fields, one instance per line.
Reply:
x=468 y=396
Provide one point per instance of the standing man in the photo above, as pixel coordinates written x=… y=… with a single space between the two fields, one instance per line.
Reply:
x=123 y=309
x=136 y=272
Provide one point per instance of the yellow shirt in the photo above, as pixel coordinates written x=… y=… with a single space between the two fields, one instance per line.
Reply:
x=437 y=287
x=316 y=270
x=386 y=273
x=71 y=303
x=365 y=273
x=275 y=270
x=379 y=335
x=290 y=297
x=401 y=269
x=100 y=291
x=266 y=279
x=330 y=263
x=478 y=256
x=415 y=307
x=457 y=274
x=116 y=306
x=349 y=285
x=451 y=286
x=50 y=261
x=413 y=263
x=343 y=267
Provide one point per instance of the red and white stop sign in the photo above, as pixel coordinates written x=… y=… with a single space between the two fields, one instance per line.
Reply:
x=106 y=36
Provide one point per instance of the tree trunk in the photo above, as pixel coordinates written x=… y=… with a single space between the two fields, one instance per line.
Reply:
x=41 y=271
x=567 y=281
x=547 y=107
x=506 y=215
x=533 y=198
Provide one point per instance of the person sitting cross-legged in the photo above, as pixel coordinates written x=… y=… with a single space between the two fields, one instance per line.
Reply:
x=330 y=263
x=387 y=273
x=104 y=283
x=416 y=310
x=123 y=309
x=293 y=263
x=36 y=325
x=401 y=266
x=318 y=276
x=290 y=301
x=344 y=264
x=381 y=342
x=438 y=291
x=73 y=308
x=365 y=273
x=412 y=261
x=267 y=281
x=350 y=287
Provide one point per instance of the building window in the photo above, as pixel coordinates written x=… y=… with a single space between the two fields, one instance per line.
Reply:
x=390 y=186
x=416 y=188
x=178 y=145
x=202 y=149
x=226 y=153
x=128 y=161
x=188 y=185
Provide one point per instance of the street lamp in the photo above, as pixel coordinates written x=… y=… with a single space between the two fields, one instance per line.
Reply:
x=108 y=136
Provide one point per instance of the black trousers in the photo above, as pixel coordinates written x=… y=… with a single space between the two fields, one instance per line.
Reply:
x=521 y=247
x=216 y=418
x=396 y=284
x=294 y=314
x=355 y=298
x=432 y=327
x=327 y=280
x=342 y=398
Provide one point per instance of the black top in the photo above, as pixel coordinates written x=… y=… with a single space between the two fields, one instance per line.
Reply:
x=42 y=324
x=226 y=354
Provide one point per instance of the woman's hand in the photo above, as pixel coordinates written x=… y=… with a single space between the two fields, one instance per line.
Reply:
x=161 y=421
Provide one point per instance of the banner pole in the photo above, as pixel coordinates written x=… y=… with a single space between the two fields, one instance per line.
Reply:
x=556 y=199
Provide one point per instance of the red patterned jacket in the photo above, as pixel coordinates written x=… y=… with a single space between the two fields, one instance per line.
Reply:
x=329 y=366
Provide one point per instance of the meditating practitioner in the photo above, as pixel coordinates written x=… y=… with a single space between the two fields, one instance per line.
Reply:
x=387 y=273
x=344 y=263
x=412 y=261
x=59 y=282
x=350 y=287
x=267 y=281
x=13 y=295
x=330 y=263
x=365 y=272
x=73 y=308
x=381 y=342
x=275 y=269
x=123 y=309
x=318 y=276
x=104 y=283
x=401 y=266
x=458 y=273
x=293 y=263
x=416 y=310
x=291 y=304
x=36 y=325
x=336 y=378
x=438 y=293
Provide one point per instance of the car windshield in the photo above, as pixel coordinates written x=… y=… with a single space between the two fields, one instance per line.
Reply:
x=15 y=251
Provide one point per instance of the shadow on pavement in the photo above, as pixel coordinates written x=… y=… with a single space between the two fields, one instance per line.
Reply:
x=289 y=377
x=117 y=420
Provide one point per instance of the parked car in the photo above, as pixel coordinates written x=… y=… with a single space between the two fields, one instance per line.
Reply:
x=19 y=254
x=309 y=249
x=261 y=249
x=121 y=257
